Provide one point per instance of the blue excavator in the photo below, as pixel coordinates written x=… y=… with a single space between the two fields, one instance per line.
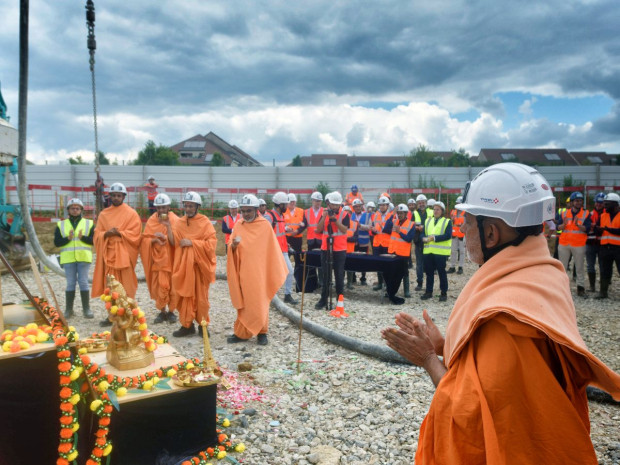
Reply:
x=12 y=241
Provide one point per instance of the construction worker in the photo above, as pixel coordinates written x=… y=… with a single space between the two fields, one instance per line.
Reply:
x=229 y=221
x=116 y=240
x=411 y=206
x=262 y=207
x=74 y=237
x=419 y=219
x=362 y=235
x=334 y=224
x=381 y=240
x=312 y=215
x=437 y=245
x=193 y=271
x=593 y=243
x=294 y=220
x=276 y=219
x=401 y=231
x=354 y=194
x=157 y=255
x=458 y=242
x=151 y=192
x=256 y=270
x=575 y=224
x=610 y=242
x=558 y=232
x=511 y=383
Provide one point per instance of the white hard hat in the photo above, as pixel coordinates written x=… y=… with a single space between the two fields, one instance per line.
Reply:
x=262 y=202
x=316 y=196
x=431 y=202
x=515 y=193
x=233 y=204
x=335 y=198
x=250 y=200
x=612 y=197
x=383 y=201
x=357 y=202
x=459 y=199
x=441 y=204
x=402 y=208
x=161 y=200
x=191 y=196
x=118 y=187
x=75 y=202
x=292 y=197
x=279 y=198
x=371 y=204
x=410 y=201
x=420 y=197
x=150 y=177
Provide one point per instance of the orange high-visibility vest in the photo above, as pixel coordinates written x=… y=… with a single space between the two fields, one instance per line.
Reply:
x=340 y=238
x=312 y=221
x=151 y=191
x=398 y=245
x=350 y=233
x=571 y=235
x=607 y=237
x=381 y=239
x=278 y=229
x=351 y=197
x=458 y=218
x=294 y=220
x=230 y=223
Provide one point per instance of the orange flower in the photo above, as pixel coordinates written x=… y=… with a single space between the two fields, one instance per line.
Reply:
x=66 y=433
x=64 y=366
x=186 y=462
x=64 y=379
x=97 y=452
x=104 y=421
x=196 y=460
x=221 y=438
x=85 y=359
x=65 y=393
x=66 y=407
x=64 y=447
x=91 y=462
x=110 y=378
x=66 y=420
x=222 y=448
x=62 y=461
x=63 y=354
x=107 y=409
x=210 y=451
x=61 y=341
x=101 y=432
x=101 y=441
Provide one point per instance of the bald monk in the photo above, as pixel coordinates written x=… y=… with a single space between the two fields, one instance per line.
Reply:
x=157 y=254
x=256 y=270
x=511 y=388
x=194 y=265
x=116 y=240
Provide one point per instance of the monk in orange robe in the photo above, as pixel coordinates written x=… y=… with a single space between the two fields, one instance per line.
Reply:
x=194 y=265
x=256 y=270
x=116 y=240
x=511 y=388
x=157 y=254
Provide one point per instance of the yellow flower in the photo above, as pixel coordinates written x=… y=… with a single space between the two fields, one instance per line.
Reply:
x=41 y=336
x=75 y=374
x=72 y=456
x=121 y=391
x=102 y=297
x=74 y=399
x=140 y=313
x=95 y=404
x=103 y=386
x=7 y=346
x=226 y=423
x=148 y=385
x=107 y=450
x=171 y=372
x=155 y=380
x=189 y=366
x=24 y=344
x=142 y=326
x=221 y=454
x=31 y=326
x=75 y=427
x=114 y=309
x=240 y=447
x=71 y=328
x=82 y=350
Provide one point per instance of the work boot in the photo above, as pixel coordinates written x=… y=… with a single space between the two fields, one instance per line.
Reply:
x=161 y=317
x=603 y=293
x=426 y=296
x=418 y=288
x=86 y=311
x=396 y=300
x=379 y=285
x=592 y=279
x=363 y=279
x=350 y=277
x=289 y=299
x=460 y=270
x=171 y=317
x=234 y=339
x=262 y=340
x=443 y=297
x=406 y=287
x=200 y=332
x=183 y=331
x=581 y=291
x=105 y=322
x=451 y=270
x=321 y=304
x=69 y=298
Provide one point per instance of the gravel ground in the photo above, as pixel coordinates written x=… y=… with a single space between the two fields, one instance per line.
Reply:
x=344 y=407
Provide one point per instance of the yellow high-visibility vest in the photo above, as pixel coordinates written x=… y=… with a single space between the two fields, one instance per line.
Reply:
x=76 y=250
x=432 y=228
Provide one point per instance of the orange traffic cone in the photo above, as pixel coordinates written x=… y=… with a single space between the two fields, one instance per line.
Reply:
x=339 y=312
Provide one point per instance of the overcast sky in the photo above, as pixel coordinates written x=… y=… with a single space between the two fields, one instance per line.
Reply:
x=280 y=78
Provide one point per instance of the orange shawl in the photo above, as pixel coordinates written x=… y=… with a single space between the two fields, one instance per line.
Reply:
x=157 y=259
x=517 y=369
x=117 y=255
x=255 y=271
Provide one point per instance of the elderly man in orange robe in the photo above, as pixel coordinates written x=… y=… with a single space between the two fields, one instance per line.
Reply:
x=511 y=388
x=116 y=240
x=157 y=254
x=194 y=265
x=256 y=270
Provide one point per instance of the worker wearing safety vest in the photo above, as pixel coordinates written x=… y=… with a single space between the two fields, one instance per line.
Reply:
x=418 y=217
x=575 y=224
x=361 y=234
x=610 y=241
x=229 y=221
x=558 y=232
x=458 y=242
x=293 y=222
x=333 y=224
x=312 y=216
x=74 y=236
x=593 y=244
x=151 y=192
x=276 y=219
x=381 y=240
x=437 y=245
x=401 y=231
x=353 y=195
x=262 y=207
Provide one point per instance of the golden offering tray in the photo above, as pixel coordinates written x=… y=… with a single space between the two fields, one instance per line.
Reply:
x=210 y=374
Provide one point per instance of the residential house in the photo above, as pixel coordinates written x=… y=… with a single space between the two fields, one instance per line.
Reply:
x=199 y=151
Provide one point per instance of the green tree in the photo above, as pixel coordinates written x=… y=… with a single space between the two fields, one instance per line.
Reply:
x=103 y=159
x=296 y=161
x=77 y=161
x=217 y=160
x=459 y=158
x=156 y=155
x=420 y=156
x=323 y=188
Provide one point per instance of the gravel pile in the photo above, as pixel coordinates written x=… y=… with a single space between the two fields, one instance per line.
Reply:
x=344 y=407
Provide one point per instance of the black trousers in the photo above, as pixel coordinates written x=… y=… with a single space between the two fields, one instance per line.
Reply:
x=437 y=263
x=338 y=259
x=607 y=255
x=419 y=264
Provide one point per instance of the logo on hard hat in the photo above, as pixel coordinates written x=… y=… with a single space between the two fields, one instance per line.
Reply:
x=545 y=187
